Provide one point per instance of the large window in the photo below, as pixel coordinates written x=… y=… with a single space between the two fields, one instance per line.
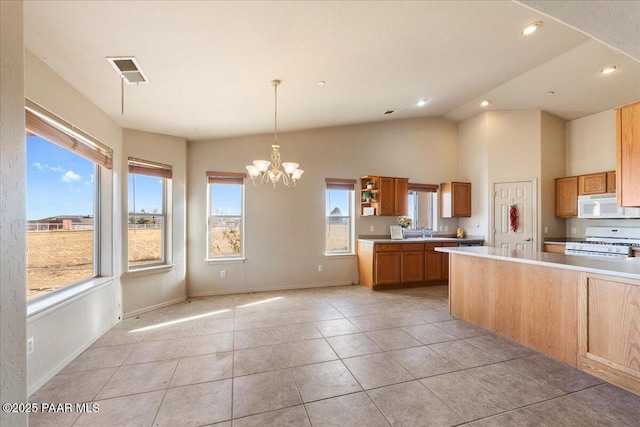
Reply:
x=225 y=231
x=148 y=201
x=339 y=216
x=423 y=206
x=63 y=202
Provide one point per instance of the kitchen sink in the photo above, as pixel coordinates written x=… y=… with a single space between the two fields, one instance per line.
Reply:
x=427 y=239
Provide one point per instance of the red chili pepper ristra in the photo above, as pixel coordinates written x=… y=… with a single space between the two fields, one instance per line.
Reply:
x=513 y=217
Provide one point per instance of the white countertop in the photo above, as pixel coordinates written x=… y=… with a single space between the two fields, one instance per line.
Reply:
x=621 y=267
x=434 y=239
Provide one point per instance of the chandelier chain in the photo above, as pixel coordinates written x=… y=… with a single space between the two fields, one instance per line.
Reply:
x=275 y=113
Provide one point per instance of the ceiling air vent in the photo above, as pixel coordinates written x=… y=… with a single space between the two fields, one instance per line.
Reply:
x=393 y=111
x=129 y=69
x=389 y=112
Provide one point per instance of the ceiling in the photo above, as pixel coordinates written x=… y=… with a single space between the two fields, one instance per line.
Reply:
x=210 y=64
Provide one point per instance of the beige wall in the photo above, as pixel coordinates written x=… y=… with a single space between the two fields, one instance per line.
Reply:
x=284 y=228
x=591 y=144
x=501 y=146
x=591 y=147
x=141 y=292
x=91 y=314
x=472 y=165
x=13 y=360
x=553 y=165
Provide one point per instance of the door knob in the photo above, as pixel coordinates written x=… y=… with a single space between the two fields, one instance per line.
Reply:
x=528 y=239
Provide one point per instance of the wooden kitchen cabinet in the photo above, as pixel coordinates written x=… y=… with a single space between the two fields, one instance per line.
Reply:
x=567 y=197
x=455 y=199
x=412 y=265
x=387 y=197
x=628 y=155
x=403 y=264
x=608 y=337
x=436 y=263
x=597 y=183
x=387 y=264
x=611 y=182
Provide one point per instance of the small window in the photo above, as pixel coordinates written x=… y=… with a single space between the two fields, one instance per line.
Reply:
x=63 y=202
x=339 y=234
x=422 y=207
x=148 y=184
x=225 y=233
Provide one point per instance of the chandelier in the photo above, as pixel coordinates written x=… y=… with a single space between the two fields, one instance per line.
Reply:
x=263 y=171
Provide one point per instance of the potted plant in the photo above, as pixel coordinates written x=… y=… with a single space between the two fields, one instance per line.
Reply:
x=369 y=185
x=367 y=196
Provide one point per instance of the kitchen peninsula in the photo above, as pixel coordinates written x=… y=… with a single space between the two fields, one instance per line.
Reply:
x=582 y=311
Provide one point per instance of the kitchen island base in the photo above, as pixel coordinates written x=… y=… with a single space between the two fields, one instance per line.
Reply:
x=588 y=320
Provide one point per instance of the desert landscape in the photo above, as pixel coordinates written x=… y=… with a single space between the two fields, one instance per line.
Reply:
x=59 y=258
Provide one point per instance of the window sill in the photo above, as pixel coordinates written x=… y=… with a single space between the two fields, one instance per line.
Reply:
x=225 y=261
x=47 y=303
x=342 y=255
x=142 y=271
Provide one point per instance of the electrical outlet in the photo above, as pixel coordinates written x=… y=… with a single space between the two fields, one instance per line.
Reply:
x=30 y=345
x=223 y=273
x=372 y=228
x=478 y=224
x=441 y=228
x=573 y=230
x=320 y=267
x=546 y=230
x=446 y=228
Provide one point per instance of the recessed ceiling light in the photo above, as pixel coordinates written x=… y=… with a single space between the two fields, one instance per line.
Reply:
x=485 y=102
x=531 y=28
x=422 y=102
x=322 y=83
x=609 y=69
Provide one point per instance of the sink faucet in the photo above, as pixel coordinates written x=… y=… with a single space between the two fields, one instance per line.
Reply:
x=424 y=232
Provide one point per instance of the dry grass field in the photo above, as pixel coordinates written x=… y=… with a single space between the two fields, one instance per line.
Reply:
x=59 y=258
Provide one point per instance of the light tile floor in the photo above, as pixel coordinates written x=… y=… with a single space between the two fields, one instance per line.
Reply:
x=337 y=356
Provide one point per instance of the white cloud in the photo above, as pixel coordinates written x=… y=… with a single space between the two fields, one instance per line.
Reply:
x=71 y=176
x=39 y=165
x=57 y=169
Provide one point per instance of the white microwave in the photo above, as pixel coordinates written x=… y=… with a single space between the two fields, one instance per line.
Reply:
x=604 y=206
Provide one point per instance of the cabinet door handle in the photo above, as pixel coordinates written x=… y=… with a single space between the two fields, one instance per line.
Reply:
x=528 y=239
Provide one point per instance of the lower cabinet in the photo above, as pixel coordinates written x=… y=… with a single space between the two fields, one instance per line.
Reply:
x=395 y=265
x=412 y=266
x=608 y=335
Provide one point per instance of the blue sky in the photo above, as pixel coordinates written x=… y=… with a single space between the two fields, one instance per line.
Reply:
x=339 y=199
x=226 y=199
x=58 y=181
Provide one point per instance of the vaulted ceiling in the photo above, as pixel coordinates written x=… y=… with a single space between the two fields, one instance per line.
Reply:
x=210 y=63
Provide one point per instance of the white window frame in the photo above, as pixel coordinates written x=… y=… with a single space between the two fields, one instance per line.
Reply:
x=433 y=209
x=85 y=146
x=240 y=180
x=351 y=214
x=165 y=251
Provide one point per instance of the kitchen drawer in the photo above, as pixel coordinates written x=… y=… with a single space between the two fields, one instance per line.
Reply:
x=388 y=247
x=408 y=247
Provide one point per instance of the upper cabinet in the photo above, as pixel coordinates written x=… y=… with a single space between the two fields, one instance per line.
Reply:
x=597 y=183
x=382 y=195
x=567 y=197
x=455 y=199
x=628 y=155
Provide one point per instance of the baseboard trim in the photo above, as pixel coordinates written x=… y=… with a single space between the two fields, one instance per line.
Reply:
x=279 y=288
x=153 y=307
x=63 y=364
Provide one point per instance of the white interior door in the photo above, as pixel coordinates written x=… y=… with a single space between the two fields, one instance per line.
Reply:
x=520 y=195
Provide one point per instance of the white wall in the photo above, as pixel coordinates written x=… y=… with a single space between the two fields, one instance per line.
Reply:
x=142 y=292
x=13 y=360
x=284 y=228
